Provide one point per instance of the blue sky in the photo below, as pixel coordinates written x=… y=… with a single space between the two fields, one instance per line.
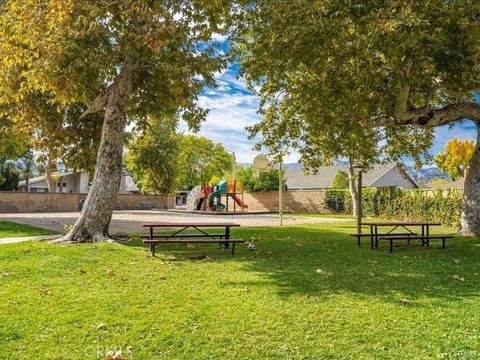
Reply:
x=233 y=107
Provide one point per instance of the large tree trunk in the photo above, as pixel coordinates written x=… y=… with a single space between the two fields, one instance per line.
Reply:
x=94 y=220
x=48 y=176
x=352 y=184
x=470 y=221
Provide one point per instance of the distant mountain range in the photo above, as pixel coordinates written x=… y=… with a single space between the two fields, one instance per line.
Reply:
x=421 y=176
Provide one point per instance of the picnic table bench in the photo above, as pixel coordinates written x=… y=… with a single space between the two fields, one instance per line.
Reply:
x=391 y=236
x=200 y=237
x=147 y=204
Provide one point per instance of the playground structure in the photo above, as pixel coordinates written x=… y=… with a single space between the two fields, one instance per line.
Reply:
x=209 y=198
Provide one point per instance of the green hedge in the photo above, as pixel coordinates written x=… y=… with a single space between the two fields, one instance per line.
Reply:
x=444 y=206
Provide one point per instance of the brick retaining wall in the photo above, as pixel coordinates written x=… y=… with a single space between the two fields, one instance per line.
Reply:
x=16 y=202
x=293 y=200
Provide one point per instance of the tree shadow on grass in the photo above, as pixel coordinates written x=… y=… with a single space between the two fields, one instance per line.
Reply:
x=320 y=262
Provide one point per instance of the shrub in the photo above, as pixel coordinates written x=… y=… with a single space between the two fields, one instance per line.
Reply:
x=443 y=206
x=340 y=181
x=338 y=200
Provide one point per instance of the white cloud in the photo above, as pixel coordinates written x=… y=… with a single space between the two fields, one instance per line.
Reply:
x=232 y=107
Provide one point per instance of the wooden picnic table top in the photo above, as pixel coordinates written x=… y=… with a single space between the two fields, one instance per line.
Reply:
x=402 y=223
x=198 y=225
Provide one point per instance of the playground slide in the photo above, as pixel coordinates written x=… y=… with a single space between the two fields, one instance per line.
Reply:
x=211 y=198
x=239 y=201
x=192 y=197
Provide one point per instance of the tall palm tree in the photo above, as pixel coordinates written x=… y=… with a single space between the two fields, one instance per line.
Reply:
x=27 y=168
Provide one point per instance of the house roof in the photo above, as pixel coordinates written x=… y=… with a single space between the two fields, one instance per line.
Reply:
x=43 y=178
x=297 y=179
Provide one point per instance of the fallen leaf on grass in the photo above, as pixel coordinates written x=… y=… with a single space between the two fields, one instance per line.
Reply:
x=456 y=261
x=5 y=273
x=319 y=271
x=427 y=289
x=26 y=251
x=110 y=272
x=371 y=274
x=102 y=326
x=372 y=262
x=46 y=291
x=114 y=355
x=81 y=271
x=406 y=301
x=299 y=244
x=458 y=278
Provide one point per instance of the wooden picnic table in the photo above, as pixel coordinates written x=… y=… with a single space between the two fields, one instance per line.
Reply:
x=409 y=234
x=201 y=234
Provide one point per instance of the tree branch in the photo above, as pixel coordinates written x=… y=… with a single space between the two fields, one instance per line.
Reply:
x=437 y=117
x=99 y=103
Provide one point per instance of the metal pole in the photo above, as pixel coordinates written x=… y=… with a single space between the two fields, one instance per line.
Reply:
x=233 y=167
x=359 y=203
x=280 y=192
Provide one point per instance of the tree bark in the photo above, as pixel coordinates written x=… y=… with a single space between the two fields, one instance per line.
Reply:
x=470 y=220
x=352 y=184
x=94 y=220
x=50 y=168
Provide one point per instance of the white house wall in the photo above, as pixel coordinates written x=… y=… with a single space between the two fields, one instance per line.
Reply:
x=393 y=177
x=83 y=183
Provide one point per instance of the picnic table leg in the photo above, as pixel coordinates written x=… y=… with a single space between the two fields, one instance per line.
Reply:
x=233 y=248
x=151 y=233
x=423 y=234
x=152 y=249
x=428 y=235
x=376 y=237
x=371 y=236
x=391 y=245
x=227 y=237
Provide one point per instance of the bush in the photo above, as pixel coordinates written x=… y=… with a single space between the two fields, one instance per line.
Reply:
x=340 y=181
x=338 y=200
x=443 y=206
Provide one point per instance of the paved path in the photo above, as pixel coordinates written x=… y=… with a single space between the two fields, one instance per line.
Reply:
x=26 y=238
x=130 y=221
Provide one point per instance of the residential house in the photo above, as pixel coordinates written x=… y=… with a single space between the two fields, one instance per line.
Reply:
x=74 y=182
x=379 y=176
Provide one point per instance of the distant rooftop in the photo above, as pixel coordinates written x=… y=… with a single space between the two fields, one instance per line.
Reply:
x=297 y=179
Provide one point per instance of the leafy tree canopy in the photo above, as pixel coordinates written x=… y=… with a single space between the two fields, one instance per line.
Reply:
x=330 y=72
x=456 y=156
x=152 y=158
x=74 y=53
x=201 y=160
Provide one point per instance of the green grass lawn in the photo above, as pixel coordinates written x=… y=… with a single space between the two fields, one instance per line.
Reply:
x=10 y=229
x=307 y=292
